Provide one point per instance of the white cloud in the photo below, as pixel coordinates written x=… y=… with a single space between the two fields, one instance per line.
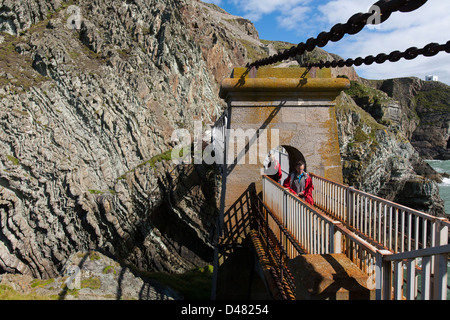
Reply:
x=255 y=9
x=293 y=19
x=427 y=24
x=339 y=11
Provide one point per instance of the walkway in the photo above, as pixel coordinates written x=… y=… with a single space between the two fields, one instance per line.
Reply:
x=404 y=252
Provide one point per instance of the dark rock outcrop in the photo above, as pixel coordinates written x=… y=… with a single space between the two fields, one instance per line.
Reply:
x=89 y=276
x=380 y=160
x=85 y=130
x=427 y=107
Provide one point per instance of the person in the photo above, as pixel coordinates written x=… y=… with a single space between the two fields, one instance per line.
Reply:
x=300 y=183
x=274 y=167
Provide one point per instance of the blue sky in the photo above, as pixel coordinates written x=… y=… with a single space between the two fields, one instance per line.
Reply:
x=297 y=20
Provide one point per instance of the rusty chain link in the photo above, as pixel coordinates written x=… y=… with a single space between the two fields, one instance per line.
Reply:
x=354 y=25
x=429 y=50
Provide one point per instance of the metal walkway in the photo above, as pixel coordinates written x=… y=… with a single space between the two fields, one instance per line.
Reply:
x=404 y=252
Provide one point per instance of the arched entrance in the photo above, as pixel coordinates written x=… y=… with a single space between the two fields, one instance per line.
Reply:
x=287 y=156
x=294 y=155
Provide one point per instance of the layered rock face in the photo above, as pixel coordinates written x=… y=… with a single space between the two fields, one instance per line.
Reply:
x=429 y=104
x=377 y=155
x=86 y=122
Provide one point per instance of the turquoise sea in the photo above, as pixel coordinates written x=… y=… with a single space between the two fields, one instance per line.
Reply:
x=442 y=166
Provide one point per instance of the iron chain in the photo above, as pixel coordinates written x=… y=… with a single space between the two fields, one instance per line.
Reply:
x=354 y=25
x=429 y=50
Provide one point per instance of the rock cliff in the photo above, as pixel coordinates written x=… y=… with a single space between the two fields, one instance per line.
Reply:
x=427 y=104
x=90 y=93
x=379 y=159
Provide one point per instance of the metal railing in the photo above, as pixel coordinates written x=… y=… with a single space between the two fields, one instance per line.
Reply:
x=274 y=237
x=393 y=226
x=433 y=280
x=315 y=232
x=378 y=241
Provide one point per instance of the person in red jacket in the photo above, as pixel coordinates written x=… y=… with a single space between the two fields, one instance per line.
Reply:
x=300 y=183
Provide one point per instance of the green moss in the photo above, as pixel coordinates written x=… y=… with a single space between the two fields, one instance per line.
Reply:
x=64 y=5
x=207 y=269
x=434 y=100
x=365 y=117
x=366 y=127
x=124 y=53
x=165 y=156
x=278 y=45
x=109 y=269
x=14 y=160
x=37 y=283
x=92 y=191
x=91 y=283
x=253 y=52
x=94 y=256
x=8 y=293
x=360 y=135
x=19 y=67
x=72 y=292
x=74 y=54
x=362 y=93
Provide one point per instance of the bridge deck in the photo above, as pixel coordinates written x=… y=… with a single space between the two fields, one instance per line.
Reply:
x=308 y=276
x=278 y=245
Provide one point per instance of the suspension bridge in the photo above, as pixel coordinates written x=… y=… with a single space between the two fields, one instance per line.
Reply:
x=347 y=245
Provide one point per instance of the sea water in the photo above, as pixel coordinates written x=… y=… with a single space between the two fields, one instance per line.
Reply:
x=443 y=166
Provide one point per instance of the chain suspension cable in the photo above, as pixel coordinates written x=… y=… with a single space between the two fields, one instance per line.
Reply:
x=354 y=25
x=429 y=50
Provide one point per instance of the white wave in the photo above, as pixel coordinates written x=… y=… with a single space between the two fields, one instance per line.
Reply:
x=445 y=182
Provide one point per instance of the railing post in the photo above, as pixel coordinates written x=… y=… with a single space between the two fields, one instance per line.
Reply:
x=411 y=279
x=284 y=208
x=440 y=262
x=264 y=189
x=383 y=274
x=350 y=213
x=426 y=278
x=336 y=238
x=398 y=280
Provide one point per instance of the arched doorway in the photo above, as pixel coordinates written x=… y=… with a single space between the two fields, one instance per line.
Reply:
x=294 y=155
x=287 y=156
